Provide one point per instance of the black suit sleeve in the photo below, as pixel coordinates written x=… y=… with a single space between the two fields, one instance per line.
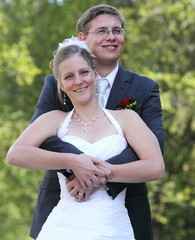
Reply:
x=127 y=155
x=48 y=100
x=151 y=113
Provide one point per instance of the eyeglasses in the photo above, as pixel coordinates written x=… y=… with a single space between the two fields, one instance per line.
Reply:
x=103 y=32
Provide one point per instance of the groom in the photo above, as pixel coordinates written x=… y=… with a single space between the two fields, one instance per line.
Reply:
x=102 y=27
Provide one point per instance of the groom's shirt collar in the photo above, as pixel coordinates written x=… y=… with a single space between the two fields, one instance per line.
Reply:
x=111 y=76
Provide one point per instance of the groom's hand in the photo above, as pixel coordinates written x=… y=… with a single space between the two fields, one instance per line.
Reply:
x=76 y=190
x=80 y=194
x=86 y=170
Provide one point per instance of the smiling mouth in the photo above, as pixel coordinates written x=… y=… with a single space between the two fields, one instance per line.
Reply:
x=80 y=89
x=110 y=46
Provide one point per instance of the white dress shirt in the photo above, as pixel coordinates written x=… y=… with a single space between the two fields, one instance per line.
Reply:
x=110 y=79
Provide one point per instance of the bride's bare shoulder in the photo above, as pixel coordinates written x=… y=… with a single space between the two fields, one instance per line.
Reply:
x=123 y=114
x=54 y=115
x=125 y=117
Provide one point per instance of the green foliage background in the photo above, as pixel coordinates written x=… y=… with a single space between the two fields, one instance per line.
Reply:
x=159 y=44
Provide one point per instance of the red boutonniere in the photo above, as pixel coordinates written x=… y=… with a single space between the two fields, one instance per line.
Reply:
x=128 y=103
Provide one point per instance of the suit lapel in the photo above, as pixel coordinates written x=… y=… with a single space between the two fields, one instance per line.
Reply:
x=119 y=89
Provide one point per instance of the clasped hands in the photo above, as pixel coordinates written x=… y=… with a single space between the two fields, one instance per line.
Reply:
x=89 y=174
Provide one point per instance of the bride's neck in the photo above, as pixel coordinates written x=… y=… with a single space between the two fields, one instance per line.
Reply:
x=88 y=111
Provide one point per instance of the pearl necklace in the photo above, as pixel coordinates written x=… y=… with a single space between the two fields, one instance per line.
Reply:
x=85 y=124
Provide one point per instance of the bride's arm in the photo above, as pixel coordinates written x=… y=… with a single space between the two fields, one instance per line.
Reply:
x=25 y=152
x=144 y=142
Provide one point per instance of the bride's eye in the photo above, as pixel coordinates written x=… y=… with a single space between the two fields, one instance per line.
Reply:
x=84 y=72
x=68 y=77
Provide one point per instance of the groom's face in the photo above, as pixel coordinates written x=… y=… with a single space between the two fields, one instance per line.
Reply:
x=102 y=40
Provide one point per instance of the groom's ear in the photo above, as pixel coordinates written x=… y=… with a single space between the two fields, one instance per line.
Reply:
x=82 y=36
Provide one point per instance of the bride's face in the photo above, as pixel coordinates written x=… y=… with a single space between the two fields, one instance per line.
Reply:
x=77 y=79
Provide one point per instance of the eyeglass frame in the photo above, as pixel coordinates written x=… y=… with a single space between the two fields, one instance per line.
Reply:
x=107 y=31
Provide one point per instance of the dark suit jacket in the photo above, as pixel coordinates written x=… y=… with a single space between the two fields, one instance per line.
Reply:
x=126 y=84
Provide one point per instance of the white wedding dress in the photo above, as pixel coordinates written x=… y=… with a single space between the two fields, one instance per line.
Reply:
x=100 y=217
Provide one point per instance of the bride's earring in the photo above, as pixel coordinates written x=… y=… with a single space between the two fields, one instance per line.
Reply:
x=96 y=89
x=64 y=99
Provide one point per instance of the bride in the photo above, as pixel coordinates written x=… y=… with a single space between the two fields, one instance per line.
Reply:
x=99 y=134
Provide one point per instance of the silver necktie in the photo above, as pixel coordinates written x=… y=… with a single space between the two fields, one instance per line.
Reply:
x=102 y=85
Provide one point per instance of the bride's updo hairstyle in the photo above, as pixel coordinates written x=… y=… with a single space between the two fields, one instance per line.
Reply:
x=70 y=47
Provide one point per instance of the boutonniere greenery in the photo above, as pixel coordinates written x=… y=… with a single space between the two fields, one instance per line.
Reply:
x=128 y=103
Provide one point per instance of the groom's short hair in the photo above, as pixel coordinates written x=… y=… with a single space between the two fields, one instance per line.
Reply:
x=83 y=24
